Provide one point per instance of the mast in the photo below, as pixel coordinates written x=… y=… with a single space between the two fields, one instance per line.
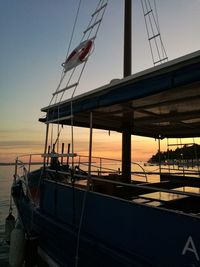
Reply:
x=127 y=38
x=127 y=115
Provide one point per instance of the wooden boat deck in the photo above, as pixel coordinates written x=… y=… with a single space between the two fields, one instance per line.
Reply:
x=173 y=192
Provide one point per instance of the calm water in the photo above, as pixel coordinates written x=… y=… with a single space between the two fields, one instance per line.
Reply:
x=6 y=178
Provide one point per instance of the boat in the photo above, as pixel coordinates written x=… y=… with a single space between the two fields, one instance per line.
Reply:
x=85 y=212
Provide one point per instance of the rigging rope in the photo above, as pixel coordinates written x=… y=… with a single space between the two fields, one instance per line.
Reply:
x=68 y=49
x=63 y=74
x=92 y=27
x=73 y=30
x=100 y=4
x=153 y=32
x=156 y=12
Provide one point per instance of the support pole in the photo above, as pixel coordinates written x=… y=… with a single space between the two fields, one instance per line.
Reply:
x=127 y=116
x=46 y=143
x=90 y=153
x=90 y=146
x=127 y=38
x=68 y=151
x=159 y=155
x=62 y=151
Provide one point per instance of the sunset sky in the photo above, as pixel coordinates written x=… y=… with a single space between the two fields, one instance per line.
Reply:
x=34 y=41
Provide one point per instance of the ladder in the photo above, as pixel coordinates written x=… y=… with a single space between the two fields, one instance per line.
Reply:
x=158 y=52
x=73 y=76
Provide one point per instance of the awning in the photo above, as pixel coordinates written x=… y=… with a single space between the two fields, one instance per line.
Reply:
x=163 y=101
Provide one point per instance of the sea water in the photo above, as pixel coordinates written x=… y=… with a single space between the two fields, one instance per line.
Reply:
x=6 y=179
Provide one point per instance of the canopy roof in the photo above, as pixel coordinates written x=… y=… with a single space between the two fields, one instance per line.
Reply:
x=163 y=101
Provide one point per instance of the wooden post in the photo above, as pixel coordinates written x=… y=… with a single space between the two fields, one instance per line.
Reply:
x=49 y=151
x=62 y=151
x=68 y=151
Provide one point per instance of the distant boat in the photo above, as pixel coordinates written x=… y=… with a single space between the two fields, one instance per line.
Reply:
x=89 y=211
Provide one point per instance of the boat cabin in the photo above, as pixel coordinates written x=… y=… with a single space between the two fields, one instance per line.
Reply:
x=162 y=102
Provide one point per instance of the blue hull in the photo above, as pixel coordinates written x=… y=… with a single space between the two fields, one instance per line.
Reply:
x=112 y=232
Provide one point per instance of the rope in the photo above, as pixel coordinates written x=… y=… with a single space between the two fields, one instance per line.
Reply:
x=51 y=136
x=10 y=208
x=80 y=224
x=100 y=4
x=151 y=50
x=88 y=34
x=73 y=30
x=63 y=74
x=155 y=31
x=88 y=184
x=95 y=18
x=58 y=87
x=164 y=53
x=157 y=20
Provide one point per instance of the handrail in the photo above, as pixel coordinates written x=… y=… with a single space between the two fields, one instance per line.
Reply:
x=147 y=187
x=98 y=164
x=142 y=169
x=57 y=155
x=118 y=160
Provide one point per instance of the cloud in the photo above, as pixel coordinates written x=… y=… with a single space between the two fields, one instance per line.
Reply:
x=17 y=144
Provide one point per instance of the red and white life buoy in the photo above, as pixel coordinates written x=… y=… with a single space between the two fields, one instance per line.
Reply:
x=78 y=55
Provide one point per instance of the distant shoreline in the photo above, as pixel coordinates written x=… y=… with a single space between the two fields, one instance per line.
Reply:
x=13 y=163
x=7 y=163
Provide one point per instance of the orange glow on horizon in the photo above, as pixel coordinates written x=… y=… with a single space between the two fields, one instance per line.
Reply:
x=104 y=145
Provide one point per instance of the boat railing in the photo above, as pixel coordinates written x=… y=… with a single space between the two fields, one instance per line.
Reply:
x=172 y=169
x=181 y=170
x=105 y=178
x=105 y=165
x=99 y=165
x=25 y=162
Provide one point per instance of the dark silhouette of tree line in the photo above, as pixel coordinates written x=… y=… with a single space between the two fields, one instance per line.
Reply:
x=179 y=154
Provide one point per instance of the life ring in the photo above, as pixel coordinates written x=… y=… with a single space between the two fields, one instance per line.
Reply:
x=78 y=55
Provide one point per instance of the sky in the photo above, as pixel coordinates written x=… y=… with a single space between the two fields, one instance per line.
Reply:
x=34 y=39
